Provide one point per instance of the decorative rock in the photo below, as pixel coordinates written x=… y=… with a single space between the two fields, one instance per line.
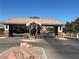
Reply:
x=20 y=53
x=23 y=53
x=25 y=45
x=11 y=55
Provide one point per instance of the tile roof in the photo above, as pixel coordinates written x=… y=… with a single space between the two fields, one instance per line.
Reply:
x=1 y=25
x=27 y=20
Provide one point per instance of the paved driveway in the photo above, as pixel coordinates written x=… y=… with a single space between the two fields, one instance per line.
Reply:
x=54 y=48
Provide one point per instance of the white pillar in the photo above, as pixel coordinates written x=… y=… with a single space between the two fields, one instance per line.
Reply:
x=77 y=35
x=6 y=27
x=6 y=30
x=60 y=31
x=60 y=28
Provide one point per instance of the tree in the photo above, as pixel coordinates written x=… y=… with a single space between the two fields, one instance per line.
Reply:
x=77 y=21
x=68 y=27
x=76 y=25
x=72 y=27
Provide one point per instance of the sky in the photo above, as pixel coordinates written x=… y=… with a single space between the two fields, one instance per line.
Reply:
x=61 y=10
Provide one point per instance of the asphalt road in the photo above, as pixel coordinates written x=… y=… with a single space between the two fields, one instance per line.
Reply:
x=64 y=49
x=54 y=48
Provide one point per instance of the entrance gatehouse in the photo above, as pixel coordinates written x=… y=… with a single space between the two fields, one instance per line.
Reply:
x=24 y=25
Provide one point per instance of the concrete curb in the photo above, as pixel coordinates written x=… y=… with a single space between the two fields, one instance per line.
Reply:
x=72 y=38
x=44 y=53
x=29 y=40
x=58 y=38
x=2 y=37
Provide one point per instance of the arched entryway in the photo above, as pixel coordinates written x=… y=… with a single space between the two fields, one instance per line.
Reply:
x=34 y=28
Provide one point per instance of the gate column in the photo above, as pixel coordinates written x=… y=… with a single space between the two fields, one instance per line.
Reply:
x=11 y=30
x=56 y=30
x=6 y=30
